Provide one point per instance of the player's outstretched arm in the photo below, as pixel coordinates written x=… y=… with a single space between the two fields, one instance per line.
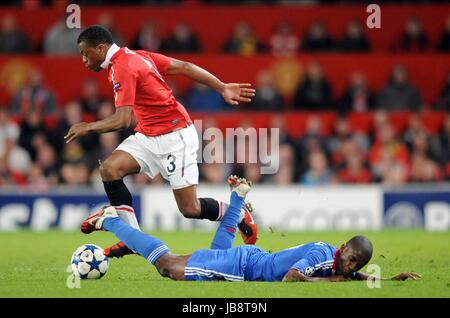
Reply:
x=294 y=275
x=120 y=120
x=401 y=276
x=233 y=93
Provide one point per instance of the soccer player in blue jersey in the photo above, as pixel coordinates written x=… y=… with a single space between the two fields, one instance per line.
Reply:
x=312 y=262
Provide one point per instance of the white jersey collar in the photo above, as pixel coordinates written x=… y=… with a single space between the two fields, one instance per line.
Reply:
x=111 y=51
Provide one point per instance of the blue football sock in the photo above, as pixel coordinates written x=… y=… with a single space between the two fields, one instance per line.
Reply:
x=227 y=228
x=145 y=245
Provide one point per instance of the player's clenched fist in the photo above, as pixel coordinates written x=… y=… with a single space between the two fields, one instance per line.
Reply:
x=77 y=130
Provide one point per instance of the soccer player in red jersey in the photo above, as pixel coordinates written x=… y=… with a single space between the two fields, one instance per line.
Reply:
x=165 y=141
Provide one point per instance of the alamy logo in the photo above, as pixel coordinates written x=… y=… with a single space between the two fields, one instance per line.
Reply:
x=374 y=19
x=72 y=281
x=374 y=280
x=73 y=20
x=240 y=145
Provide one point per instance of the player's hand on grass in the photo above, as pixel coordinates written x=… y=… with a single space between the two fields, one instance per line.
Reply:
x=234 y=93
x=77 y=130
x=405 y=276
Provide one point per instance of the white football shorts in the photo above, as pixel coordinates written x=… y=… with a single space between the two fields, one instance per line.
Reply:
x=173 y=155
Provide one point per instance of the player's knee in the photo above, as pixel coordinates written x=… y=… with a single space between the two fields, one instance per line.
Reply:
x=109 y=171
x=190 y=211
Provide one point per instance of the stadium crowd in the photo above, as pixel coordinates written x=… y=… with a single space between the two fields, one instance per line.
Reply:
x=34 y=155
x=285 y=40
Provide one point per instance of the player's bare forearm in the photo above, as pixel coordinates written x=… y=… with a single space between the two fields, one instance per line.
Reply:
x=401 y=276
x=120 y=120
x=195 y=73
x=294 y=275
x=233 y=93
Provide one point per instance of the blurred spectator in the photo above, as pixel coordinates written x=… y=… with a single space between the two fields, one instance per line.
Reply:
x=311 y=141
x=252 y=171
x=355 y=169
x=34 y=97
x=75 y=174
x=48 y=161
x=380 y=119
x=8 y=130
x=148 y=38
x=268 y=98
x=399 y=94
x=443 y=101
x=284 y=42
x=37 y=182
x=60 y=40
x=33 y=133
x=203 y=98
x=73 y=114
x=182 y=40
x=106 y=20
x=444 y=139
x=278 y=122
x=108 y=143
x=354 y=40
x=286 y=171
x=12 y=39
x=343 y=141
x=417 y=140
x=414 y=37
x=105 y=109
x=18 y=161
x=317 y=38
x=387 y=151
x=358 y=97
x=212 y=173
x=90 y=96
x=73 y=152
x=444 y=41
x=314 y=92
x=318 y=172
x=393 y=173
x=424 y=169
x=243 y=41
x=6 y=178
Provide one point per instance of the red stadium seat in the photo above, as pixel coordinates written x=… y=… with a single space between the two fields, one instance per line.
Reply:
x=433 y=121
x=361 y=122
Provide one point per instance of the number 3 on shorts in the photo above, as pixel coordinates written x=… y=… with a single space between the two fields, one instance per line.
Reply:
x=170 y=167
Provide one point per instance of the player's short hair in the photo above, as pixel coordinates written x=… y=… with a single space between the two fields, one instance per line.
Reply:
x=362 y=246
x=95 y=35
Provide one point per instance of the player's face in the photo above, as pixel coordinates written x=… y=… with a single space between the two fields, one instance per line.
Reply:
x=93 y=57
x=349 y=262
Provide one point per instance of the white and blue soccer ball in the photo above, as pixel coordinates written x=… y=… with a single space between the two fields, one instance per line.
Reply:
x=88 y=262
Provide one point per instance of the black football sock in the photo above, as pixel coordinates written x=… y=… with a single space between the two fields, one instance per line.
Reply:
x=118 y=193
x=209 y=209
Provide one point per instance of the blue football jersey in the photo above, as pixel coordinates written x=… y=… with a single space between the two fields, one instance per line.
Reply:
x=312 y=259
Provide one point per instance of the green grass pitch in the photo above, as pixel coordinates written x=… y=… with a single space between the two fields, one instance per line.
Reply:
x=34 y=265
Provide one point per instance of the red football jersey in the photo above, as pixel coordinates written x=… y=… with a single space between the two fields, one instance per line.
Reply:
x=137 y=81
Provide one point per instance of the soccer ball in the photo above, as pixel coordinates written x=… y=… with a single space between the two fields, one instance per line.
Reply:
x=88 y=262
